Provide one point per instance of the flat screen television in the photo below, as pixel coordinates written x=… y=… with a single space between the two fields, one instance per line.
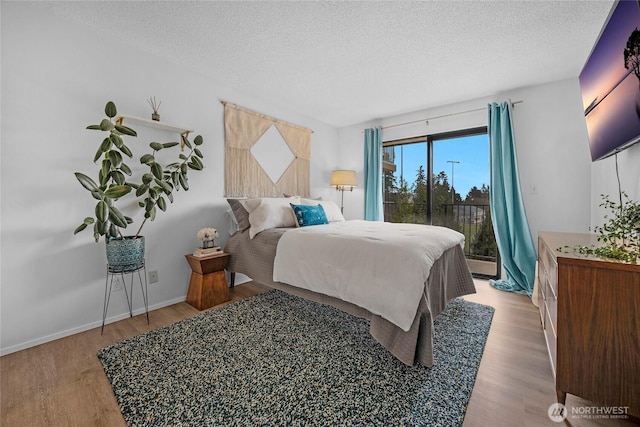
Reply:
x=610 y=83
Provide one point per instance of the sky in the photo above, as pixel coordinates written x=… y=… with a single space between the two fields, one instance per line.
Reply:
x=472 y=152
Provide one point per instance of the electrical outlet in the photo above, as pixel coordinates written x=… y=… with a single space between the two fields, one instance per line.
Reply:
x=117 y=284
x=153 y=276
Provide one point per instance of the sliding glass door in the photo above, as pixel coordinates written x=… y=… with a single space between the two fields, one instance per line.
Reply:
x=456 y=195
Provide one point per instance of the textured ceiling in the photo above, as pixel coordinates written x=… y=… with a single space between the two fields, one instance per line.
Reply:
x=348 y=62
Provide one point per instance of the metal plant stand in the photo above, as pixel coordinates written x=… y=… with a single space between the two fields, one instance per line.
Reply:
x=114 y=271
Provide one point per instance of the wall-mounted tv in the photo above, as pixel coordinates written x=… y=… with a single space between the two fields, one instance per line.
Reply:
x=610 y=83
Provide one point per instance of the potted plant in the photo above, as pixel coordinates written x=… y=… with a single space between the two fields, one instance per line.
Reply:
x=619 y=237
x=154 y=188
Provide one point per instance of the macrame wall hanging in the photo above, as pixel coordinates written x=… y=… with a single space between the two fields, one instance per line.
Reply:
x=264 y=157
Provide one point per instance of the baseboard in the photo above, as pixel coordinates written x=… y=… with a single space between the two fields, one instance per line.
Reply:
x=83 y=328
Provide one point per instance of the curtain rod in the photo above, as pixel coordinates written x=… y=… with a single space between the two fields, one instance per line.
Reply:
x=442 y=116
x=237 y=107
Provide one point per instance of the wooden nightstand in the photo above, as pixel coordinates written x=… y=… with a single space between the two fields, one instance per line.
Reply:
x=208 y=285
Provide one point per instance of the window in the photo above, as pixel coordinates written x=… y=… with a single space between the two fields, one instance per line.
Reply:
x=456 y=195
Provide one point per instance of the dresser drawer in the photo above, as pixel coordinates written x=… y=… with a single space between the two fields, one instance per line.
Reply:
x=542 y=305
x=542 y=274
x=547 y=298
x=551 y=267
x=551 y=338
x=551 y=302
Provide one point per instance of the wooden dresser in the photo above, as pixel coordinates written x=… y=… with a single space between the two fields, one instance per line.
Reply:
x=590 y=312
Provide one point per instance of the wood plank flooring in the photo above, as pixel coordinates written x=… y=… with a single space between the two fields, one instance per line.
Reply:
x=62 y=383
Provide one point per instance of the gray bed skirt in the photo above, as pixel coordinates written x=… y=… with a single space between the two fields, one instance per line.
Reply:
x=449 y=278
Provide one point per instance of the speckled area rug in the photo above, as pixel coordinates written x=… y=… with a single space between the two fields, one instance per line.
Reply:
x=278 y=360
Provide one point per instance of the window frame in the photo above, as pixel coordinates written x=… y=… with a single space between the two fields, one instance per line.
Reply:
x=430 y=139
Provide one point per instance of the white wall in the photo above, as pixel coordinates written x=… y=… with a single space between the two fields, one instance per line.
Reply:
x=604 y=181
x=56 y=78
x=551 y=145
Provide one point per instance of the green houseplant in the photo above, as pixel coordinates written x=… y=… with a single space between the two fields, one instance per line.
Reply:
x=619 y=237
x=115 y=181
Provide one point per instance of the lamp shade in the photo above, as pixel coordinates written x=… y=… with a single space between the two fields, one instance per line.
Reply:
x=344 y=178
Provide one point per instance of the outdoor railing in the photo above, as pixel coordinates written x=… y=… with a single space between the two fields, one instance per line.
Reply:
x=472 y=220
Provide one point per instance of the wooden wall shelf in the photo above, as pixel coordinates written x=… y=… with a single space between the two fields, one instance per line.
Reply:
x=154 y=125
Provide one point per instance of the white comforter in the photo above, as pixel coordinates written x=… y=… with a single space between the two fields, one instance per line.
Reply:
x=380 y=266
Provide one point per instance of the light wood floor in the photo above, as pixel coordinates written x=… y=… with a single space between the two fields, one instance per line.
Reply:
x=62 y=383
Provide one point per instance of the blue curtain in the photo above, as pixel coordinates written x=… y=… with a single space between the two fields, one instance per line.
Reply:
x=507 y=210
x=373 y=175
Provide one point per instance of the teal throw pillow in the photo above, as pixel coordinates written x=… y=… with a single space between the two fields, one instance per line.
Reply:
x=309 y=215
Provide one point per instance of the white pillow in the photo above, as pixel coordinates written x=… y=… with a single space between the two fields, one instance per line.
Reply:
x=269 y=212
x=331 y=209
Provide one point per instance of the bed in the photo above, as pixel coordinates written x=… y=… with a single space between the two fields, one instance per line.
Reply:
x=267 y=242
